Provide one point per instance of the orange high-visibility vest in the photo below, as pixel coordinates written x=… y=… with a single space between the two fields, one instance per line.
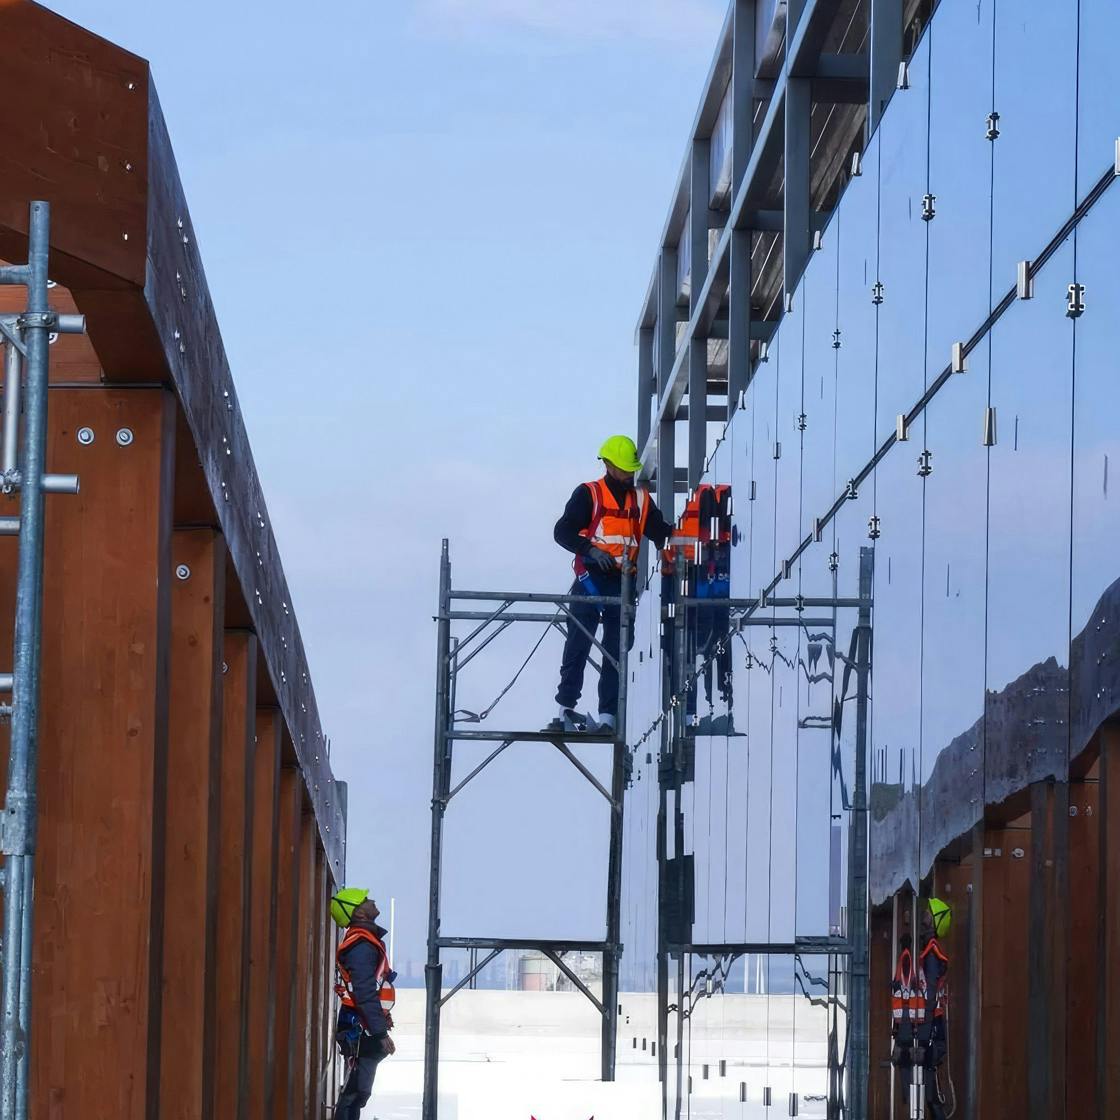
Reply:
x=615 y=529
x=706 y=519
x=905 y=998
x=344 y=988
x=942 y=993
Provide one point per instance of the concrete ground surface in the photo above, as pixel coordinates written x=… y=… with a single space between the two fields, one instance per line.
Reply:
x=517 y=1055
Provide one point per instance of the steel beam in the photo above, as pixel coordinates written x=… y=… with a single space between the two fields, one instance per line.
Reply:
x=700 y=192
x=886 y=54
x=797 y=241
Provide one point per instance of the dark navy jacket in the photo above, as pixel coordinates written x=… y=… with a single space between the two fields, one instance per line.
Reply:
x=361 y=960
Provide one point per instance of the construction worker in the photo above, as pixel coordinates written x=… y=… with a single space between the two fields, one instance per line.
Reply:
x=702 y=542
x=931 y=1043
x=603 y=524
x=365 y=988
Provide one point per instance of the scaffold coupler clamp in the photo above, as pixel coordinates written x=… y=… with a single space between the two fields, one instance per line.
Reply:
x=15 y=824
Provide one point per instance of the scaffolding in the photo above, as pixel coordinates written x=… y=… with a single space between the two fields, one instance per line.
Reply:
x=26 y=341
x=453 y=655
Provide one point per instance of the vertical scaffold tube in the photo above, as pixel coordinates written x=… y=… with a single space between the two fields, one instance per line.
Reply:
x=433 y=970
x=857 y=898
x=20 y=804
x=614 y=864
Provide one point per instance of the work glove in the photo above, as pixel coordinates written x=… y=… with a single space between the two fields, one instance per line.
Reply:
x=388 y=1046
x=596 y=557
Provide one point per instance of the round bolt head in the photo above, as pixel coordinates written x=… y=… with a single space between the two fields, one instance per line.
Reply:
x=85 y=436
x=182 y=572
x=124 y=436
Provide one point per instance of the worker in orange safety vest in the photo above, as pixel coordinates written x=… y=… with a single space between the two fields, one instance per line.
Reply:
x=603 y=524
x=919 y=1002
x=365 y=990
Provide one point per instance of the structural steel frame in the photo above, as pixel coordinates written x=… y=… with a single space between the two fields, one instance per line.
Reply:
x=780 y=139
x=451 y=656
x=23 y=470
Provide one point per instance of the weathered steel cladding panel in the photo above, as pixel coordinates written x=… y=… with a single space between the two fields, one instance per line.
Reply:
x=180 y=306
x=122 y=243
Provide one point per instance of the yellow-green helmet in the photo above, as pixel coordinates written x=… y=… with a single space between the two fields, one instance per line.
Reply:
x=621 y=452
x=345 y=902
x=942 y=917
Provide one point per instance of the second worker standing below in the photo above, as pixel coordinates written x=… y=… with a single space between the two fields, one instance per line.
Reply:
x=603 y=524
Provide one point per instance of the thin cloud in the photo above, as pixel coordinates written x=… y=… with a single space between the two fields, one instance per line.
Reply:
x=687 y=23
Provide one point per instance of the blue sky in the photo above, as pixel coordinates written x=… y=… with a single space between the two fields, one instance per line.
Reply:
x=428 y=228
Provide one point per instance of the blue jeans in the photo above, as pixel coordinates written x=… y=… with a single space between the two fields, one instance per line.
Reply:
x=359 y=1084
x=577 y=649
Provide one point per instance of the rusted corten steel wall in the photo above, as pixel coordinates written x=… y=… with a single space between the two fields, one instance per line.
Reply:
x=190 y=828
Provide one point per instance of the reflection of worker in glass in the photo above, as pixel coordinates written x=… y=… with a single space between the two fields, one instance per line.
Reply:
x=703 y=543
x=919 y=1001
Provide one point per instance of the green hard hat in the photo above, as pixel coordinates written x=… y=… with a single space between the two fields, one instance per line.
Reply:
x=621 y=452
x=942 y=916
x=345 y=902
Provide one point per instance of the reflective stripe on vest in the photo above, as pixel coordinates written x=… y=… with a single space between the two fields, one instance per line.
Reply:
x=613 y=528
x=942 y=993
x=695 y=530
x=906 y=1001
x=345 y=989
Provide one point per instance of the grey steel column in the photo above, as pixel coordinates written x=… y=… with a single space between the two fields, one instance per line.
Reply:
x=859 y=1059
x=743 y=66
x=433 y=970
x=614 y=861
x=666 y=354
x=647 y=390
x=886 y=54
x=798 y=238
x=20 y=807
x=700 y=192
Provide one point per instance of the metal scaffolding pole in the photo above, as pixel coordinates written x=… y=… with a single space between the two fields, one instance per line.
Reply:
x=433 y=970
x=25 y=474
x=859 y=1003
x=448 y=664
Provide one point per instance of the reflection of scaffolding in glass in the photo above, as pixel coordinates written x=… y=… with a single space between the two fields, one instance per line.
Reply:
x=846 y=947
x=453 y=654
x=23 y=471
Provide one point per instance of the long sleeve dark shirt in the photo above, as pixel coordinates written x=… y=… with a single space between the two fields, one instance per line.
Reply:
x=580 y=508
x=362 y=960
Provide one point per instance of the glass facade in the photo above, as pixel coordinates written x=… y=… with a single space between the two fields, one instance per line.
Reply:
x=911 y=520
